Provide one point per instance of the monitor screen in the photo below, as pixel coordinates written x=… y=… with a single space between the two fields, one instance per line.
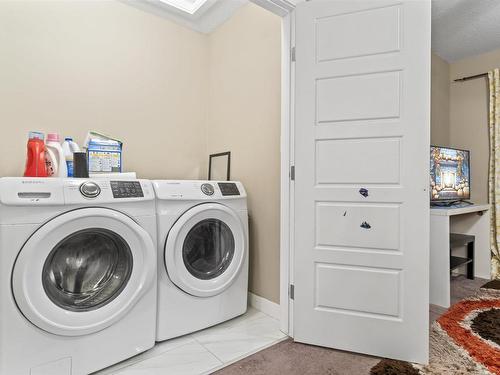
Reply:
x=450 y=174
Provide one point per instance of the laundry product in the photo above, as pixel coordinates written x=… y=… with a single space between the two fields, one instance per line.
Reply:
x=35 y=160
x=104 y=153
x=56 y=162
x=69 y=147
x=81 y=166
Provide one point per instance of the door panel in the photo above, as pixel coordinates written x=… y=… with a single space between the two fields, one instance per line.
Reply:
x=378 y=289
x=361 y=176
x=371 y=161
x=372 y=226
x=357 y=97
x=362 y=41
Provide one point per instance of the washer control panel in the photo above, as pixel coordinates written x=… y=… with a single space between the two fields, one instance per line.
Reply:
x=126 y=189
x=90 y=189
x=228 y=188
x=207 y=189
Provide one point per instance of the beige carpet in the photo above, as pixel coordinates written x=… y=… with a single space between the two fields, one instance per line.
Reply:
x=290 y=358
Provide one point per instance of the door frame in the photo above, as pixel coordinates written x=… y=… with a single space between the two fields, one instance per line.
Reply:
x=285 y=10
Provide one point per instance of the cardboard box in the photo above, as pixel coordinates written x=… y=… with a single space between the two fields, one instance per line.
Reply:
x=104 y=154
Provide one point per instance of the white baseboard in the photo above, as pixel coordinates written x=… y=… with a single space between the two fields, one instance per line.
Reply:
x=267 y=307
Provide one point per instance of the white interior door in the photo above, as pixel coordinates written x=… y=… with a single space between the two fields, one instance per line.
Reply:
x=361 y=267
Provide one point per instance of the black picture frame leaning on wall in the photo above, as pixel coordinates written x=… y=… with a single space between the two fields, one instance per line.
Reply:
x=211 y=162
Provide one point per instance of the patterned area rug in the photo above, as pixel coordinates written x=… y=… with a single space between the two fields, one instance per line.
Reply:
x=464 y=340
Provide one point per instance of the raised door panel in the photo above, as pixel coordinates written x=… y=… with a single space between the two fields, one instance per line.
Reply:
x=376 y=290
x=359 y=225
x=370 y=96
x=358 y=161
x=370 y=32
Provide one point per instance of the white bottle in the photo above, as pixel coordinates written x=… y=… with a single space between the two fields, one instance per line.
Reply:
x=69 y=147
x=56 y=162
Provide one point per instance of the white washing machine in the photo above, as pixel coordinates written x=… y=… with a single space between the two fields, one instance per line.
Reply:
x=78 y=274
x=202 y=254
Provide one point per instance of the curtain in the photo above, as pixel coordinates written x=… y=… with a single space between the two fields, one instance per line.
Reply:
x=494 y=175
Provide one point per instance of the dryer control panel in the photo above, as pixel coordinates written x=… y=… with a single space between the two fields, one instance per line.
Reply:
x=199 y=190
x=228 y=188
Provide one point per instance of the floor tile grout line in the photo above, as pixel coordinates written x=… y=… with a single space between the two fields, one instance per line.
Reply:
x=215 y=355
x=243 y=320
x=266 y=314
x=248 y=354
x=185 y=344
x=192 y=338
x=236 y=325
x=153 y=356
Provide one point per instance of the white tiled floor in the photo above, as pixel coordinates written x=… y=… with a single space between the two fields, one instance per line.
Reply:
x=205 y=351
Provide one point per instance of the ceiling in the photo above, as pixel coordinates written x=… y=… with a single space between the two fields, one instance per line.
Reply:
x=205 y=18
x=205 y=15
x=463 y=28
x=460 y=28
x=189 y=6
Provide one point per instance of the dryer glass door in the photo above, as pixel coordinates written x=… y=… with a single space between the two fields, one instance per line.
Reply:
x=208 y=249
x=87 y=269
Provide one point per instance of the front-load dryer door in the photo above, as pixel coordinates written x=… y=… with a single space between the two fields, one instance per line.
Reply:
x=83 y=270
x=205 y=249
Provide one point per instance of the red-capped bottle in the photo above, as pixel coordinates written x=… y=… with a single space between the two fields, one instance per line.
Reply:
x=35 y=161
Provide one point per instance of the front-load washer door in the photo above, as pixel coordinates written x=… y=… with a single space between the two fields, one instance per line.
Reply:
x=205 y=249
x=83 y=270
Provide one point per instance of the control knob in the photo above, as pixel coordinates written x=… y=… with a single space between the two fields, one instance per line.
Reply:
x=207 y=189
x=90 y=189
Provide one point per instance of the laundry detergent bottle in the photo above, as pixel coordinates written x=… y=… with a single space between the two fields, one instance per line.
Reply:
x=35 y=158
x=69 y=148
x=56 y=162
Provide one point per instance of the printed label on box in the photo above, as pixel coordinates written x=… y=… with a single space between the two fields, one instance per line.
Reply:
x=104 y=161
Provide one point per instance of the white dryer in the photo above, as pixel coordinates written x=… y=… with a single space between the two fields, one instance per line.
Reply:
x=202 y=254
x=78 y=274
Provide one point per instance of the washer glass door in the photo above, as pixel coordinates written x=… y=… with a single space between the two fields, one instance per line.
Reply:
x=87 y=269
x=83 y=270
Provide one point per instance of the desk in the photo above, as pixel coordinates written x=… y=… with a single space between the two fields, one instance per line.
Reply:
x=473 y=220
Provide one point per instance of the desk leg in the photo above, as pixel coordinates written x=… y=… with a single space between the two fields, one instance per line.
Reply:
x=439 y=293
x=470 y=255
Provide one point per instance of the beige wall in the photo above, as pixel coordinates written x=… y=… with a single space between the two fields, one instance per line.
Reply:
x=244 y=117
x=168 y=92
x=459 y=113
x=103 y=65
x=469 y=117
x=440 y=101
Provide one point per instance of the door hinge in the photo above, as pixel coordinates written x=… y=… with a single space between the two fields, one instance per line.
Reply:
x=293 y=54
x=292 y=173
x=292 y=291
